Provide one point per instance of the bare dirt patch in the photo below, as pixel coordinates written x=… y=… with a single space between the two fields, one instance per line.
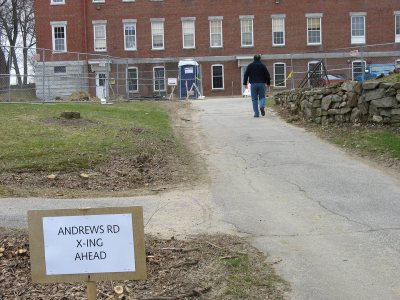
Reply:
x=202 y=267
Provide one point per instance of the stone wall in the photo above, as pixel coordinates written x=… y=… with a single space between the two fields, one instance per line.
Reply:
x=347 y=102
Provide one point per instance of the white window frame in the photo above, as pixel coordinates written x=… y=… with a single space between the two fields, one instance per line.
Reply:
x=136 y=79
x=218 y=21
x=358 y=39
x=275 y=25
x=154 y=79
x=61 y=24
x=284 y=75
x=397 y=26
x=352 y=66
x=244 y=19
x=153 y=34
x=99 y=1
x=57 y=2
x=186 y=31
x=98 y=24
x=311 y=17
x=212 y=77
x=130 y=22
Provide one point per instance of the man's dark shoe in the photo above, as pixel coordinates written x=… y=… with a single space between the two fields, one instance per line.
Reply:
x=262 y=111
x=256 y=116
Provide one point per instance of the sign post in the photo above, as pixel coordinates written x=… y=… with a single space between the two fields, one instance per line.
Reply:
x=87 y=245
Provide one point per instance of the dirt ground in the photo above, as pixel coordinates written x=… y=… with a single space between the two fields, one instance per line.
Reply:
x=201 y=267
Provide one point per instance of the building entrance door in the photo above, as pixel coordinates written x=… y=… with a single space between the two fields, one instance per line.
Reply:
x=101 y=86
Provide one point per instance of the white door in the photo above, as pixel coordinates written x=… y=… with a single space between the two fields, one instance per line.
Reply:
x=101 y=85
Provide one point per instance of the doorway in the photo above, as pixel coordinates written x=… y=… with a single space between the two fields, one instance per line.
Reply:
x=101 y=92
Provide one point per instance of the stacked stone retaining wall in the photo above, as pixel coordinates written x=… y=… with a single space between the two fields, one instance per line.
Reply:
x=347 y=102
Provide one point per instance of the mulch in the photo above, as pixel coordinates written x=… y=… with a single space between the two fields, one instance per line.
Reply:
x=176 y=269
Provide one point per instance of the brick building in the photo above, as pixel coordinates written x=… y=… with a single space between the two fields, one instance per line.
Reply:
x=131 y=47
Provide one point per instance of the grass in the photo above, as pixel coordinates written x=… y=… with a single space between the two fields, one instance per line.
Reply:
x=32 y=139
x=245 y=274
x=391 y=78
x=383 y=142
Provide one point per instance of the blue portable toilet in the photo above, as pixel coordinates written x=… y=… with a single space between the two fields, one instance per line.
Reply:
x=189 y=79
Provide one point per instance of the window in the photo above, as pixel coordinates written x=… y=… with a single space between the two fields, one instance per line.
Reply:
x=100 y=36
x=358 y=28
x=397 y=26
x=132 y=83
x=280 y=74
x=60 y=69
x=99 y=1
x=314 y=29
x=57 y=2
x=159 y=79
x=314 y=73
x=278 y=30
x=129 y=34
x=188 y=33
x=59 y=36
x=217 y=77
x=215 y=32
x=358 y=69
x=157 y=34
x=246 y=30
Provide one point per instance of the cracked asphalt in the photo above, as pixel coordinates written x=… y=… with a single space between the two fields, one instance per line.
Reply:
x=329 y=222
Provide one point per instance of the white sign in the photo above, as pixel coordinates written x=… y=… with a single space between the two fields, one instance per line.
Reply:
x=88 y=244
x=172 y=81
x=189 y=70
x=354 y=53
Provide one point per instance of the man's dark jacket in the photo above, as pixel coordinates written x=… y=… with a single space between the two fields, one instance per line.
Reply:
x=257 y=72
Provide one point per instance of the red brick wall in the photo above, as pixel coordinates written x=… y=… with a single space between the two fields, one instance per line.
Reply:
x=335 y=28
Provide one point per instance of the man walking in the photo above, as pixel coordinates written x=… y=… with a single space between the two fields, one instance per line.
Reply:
x=257 y=74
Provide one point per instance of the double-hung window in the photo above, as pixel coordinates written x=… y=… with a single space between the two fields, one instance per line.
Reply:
x=129 y=34
x=358 y=70
x=132 y=84
x=159 y=79
x=278 y=30
x=157 y=34
x=215 y=32
x=188 y=33
x=314 y=73
x=314 y=29
x=59 y=36
x=279 y=74
x=397 y=26
x=358 y=28
x=217 y=74
x=100 y=35
x=246 y=31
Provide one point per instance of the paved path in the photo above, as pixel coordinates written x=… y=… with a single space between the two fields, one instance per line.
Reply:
x=332 y=223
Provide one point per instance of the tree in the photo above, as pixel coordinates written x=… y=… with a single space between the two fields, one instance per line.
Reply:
x=27 y=29
x=16 y=24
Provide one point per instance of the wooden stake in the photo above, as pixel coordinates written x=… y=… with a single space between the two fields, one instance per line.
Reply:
x=91 y=290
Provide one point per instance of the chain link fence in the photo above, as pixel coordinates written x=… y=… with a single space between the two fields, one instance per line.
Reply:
x=360 y=63
x=71 y=76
